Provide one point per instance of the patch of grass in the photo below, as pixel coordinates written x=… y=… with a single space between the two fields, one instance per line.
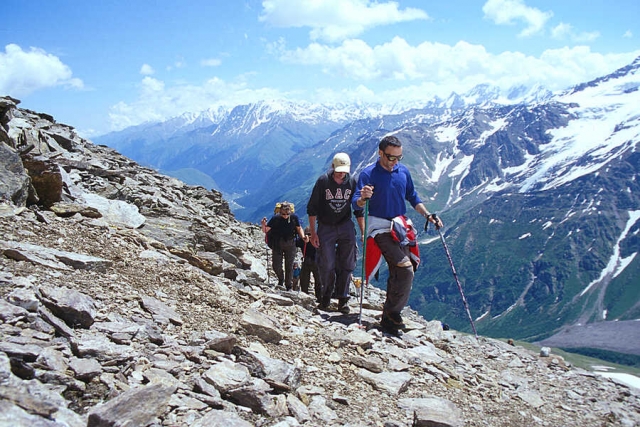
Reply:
x=631 y=360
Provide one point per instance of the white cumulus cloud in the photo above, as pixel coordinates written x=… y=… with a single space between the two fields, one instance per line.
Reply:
x=147 y=70
x=24 y=72
x=458 y=67
x=335 y=20
x=509 y=12
x=421 y=71
x=564 y=31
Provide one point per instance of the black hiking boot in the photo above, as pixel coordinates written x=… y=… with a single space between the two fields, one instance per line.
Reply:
x=392 y=321
x=343 y=306
x=388 y=327
x=321 y=307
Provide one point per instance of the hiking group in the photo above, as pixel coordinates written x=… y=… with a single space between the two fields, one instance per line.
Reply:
x=377 y=199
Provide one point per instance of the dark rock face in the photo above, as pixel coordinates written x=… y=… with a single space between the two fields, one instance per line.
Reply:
x=14 y=180
x=46 y=180
x=135 y=299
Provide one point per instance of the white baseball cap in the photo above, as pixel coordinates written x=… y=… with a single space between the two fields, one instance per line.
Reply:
x=341 y=163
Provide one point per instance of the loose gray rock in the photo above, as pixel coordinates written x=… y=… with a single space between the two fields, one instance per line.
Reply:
x=393 y=383
x=433 y=412
x=75 y=308
x=138 y=406
x=258 y=324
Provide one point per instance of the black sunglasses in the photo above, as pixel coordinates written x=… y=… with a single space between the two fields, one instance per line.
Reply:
x=392 y=158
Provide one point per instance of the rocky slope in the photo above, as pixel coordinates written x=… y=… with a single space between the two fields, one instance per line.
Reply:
x=129 y=298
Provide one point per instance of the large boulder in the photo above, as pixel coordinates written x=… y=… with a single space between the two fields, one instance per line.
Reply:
x=14 y=180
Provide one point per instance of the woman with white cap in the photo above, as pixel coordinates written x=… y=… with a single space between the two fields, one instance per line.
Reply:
x=329 y=208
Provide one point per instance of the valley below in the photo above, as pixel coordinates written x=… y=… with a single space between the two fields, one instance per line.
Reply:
x=618 y=336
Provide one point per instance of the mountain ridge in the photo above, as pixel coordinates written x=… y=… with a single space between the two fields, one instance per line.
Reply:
x=153 y=143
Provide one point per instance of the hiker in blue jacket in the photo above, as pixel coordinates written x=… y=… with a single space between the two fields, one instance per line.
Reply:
x=330 y=208
x=388 y=186
x=296 y=276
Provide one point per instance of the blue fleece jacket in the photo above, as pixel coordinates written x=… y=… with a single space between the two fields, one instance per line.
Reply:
x=390 y=190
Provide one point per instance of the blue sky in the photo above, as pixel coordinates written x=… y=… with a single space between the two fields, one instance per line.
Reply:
x=105 y=65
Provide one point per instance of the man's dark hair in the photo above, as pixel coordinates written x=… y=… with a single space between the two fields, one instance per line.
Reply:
x=389 y=140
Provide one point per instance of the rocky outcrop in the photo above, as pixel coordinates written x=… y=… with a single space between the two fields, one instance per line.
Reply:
x=129 y=298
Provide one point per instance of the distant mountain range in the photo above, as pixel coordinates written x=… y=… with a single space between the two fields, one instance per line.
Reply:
x=239 y=147
x=539 y=192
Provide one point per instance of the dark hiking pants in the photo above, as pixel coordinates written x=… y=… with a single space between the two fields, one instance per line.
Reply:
x=336 y=259
x=310 y=267
x=285 y=250
x=400 y=278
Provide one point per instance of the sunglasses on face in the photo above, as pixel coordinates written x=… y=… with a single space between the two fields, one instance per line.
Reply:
x=392 y=158
x=284 y=212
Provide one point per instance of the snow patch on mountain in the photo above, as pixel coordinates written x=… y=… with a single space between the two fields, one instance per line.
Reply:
x=497 y=184
x=442 y=164
x=616 y=264
x=480 y=94
x=607 y=122
x=460 y=169
x=211 y=115
x=446 y=133
x=495 y=126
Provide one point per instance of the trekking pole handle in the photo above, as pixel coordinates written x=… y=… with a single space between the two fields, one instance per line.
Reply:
x=367 y=198
x=435 y=218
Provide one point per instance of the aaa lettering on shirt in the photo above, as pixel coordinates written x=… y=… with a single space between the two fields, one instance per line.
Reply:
x=338 y=200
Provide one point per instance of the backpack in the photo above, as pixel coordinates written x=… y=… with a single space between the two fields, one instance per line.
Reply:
x=271 y=239
x=276 y=209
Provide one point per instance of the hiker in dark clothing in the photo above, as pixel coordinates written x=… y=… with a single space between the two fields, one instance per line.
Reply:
x=281 y=231
x=309 y=266
x=330 y=207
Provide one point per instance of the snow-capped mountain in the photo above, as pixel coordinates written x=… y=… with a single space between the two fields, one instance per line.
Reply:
x=545 y=204
x=233 y=148
x=551 y=188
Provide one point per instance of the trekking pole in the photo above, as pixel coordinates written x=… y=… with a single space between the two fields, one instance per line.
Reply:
x=266 y=250
x=455 y=275
x=304 y=255
x=365 y=279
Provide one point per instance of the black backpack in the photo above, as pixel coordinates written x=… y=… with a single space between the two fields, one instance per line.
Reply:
x=272 y=239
